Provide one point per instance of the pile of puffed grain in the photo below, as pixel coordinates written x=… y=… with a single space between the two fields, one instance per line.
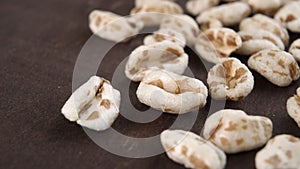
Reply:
x=159 y=63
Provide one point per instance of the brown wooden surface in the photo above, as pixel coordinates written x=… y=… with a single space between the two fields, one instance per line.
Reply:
x=40 y=41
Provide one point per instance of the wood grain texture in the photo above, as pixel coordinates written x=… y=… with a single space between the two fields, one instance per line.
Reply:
x=40 y=43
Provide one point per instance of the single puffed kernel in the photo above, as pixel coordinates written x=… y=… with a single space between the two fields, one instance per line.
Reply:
x=234 y=131
x=255 y=45
x=165 y=35
x=268 y=7
x=191 y=150
x=279 y=67
x=283 y=2
x=294 y=26
x=293 y=107
x=231 y=0
x=143 y=2
x=153 y=12
x=195 y=7
x=211 y=24
x=230 y=79
x=281 y=152
x=289 y=16
x=172 y=93
x=295 y=49
x=257 y=40
x=163 y=55
x=110 y=26
x=266 y=23
x=216 y=44
x=229 y=14
x=261 y=35
x=183 y=24
x=94 y=105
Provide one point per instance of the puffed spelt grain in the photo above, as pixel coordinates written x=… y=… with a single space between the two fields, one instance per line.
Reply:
x=143 y=2
x=229 y=14
x=172 y=93
x=195 y=7
x=211 y=24
x=295 y=49
x=216 y=44
x=95 y=104
x=287 y=1
x=293 y=107
x=164 y=55
x=191 y=150
x=294 y=26
x=279 y=67
x=255 y=45
x=266 y=23
x=281 y=152
x=183 y=24
x=234 y=131
x=165 y=35
x=289 y=16
x=230 y=80
x=263 y=35
x=152 y=13
x=113 y=27
x=257 y=40
x=231 y=0
x=268 y=7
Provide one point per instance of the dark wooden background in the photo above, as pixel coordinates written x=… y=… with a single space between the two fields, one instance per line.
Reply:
x=40 y=41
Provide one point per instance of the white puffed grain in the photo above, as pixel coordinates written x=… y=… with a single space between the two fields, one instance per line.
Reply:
x=165 y=35
x=152 y=13
x=183 y=24
x=195 y=7
x=211 y=24
x=216 y=44
x=230 y=80
x=234 y=131
x=279 y=67
x=143 y=2
x=295 y=49
x=268 y=7
x=255 y=45
x=262 y=35
x=113 y=27
x=289 y=16
x=293 y=107
x=163 y=55
x=282 y=151
x=229 y=14
x=172 y=93
x=94 y=105
x=191 y=150
x=266 y=23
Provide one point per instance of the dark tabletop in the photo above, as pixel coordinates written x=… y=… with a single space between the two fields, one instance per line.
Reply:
x=40 y=42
